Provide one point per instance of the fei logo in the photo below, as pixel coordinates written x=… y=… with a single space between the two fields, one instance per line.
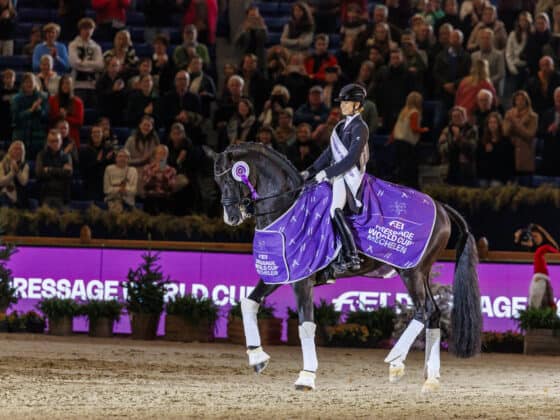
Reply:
x=397 y=225
x=356 y=300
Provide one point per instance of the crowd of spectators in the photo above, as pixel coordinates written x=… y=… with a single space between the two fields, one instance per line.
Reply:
x=488 y=71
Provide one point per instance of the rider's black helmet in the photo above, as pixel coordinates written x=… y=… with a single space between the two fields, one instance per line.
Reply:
x=352 y=92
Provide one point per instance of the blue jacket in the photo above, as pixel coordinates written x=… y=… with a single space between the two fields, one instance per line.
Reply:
x=61 y=62
x=355 y=139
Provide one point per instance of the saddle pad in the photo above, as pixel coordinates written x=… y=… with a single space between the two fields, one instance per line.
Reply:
x=300 y=242
x=395 y=224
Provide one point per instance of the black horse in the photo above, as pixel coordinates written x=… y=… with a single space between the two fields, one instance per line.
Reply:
x=278 y=184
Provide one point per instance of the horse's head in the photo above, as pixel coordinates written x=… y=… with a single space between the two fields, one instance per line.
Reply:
x=241 y=168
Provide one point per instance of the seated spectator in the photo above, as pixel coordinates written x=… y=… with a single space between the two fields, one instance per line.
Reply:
x=457 y=148
x=380 y=38
x=304 y=152
x=119 y=183
x=203 y=14
x=471 y=13
x=495 y=58
x=393 y=87
x=242 y=126
x=50 y=46
x=53 y=168
x=252 y=36
x=416 y=61
x=515 y=51
x=144 y=69
x=295 y=79
x=162 y=68
x=111 y=16
x=285 y=133
x=495 y=161
x=14 y=175
x=355 y=22
x=70 y=12
x=349 y=57
x=47 y=77
x=431 y=11
x=541 y=86
x=320 y=59
x=228 y=105
x=550 y=131
x=141 y=102
x=380 y=14
x=276 y=62
x=297 y=34
x=111 y=92
x=67 y=106
x=140 y=146
x=95 y=156
x=367 y=77
x=314 y=112
x=186 y=159
x=124 y=51
x=157 y=14
x=30 y=113
x=470 y=86
x=265 y=136
x=489 y=21
x=485 y=105
x=450 y=66
x=348 y=6
x=86 y=60
x=159 y=182
x=406 y=135
x=520 y=124
x=278 y=101
x=180 y=105
x=190 y=47
x=450 y=16
x=256 y=86
x=68 y=143
x=322 y=134
x=7 y=92
x=34 y=40
x=443 y=41
x=109 y=138
x=537 y=40
x=332 y=85
x=201 y=85
x=7 y=27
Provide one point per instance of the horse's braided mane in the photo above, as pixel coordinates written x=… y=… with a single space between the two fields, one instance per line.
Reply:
x=269 y=153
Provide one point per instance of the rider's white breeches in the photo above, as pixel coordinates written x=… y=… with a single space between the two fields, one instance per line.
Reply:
x=338 y=194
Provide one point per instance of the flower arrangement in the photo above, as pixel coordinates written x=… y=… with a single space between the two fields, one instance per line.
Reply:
x=508 y=342
x=347 y=335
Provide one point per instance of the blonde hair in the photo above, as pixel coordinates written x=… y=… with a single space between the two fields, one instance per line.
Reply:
x=12 y=145
x=413 y=103
x=126 y=34
x=52 y=26
x=479 y=71
x=30 y=76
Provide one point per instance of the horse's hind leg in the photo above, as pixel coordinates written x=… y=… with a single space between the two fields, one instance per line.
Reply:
x=413 y=280
x=258 y=359
x=304 y=298
x=433 y=342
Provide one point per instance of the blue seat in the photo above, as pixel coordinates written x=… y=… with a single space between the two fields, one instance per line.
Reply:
x=273 y=38
x=266 y=9
x=276 y=24
x=90 y=117
x=137 y=35
x=379 y=140
x=122 y=133
x=16 y=62
x=37 y=15
x=285 y=7
x=334 y=40
x=23 y=30
x=134 y=18
x=143 y=50
x=85 y=132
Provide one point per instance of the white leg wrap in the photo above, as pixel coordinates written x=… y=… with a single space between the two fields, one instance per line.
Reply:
x=433 y=340
x=398 y=353
x=249 y=309
x=307 y=338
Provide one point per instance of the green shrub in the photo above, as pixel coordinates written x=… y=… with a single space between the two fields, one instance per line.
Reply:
x=380 y=322
x=7 y=292
x=538 y=318
x=95 y=309
x=146 y=286
x=325 y=314
x=57 y=308
x=194 y=309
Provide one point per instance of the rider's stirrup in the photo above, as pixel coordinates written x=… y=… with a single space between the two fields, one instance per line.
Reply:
x=350 y=260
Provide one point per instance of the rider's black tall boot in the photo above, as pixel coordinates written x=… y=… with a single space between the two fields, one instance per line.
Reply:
x=350 y=259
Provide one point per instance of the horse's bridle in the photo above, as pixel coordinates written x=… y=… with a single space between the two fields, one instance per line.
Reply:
x=247 y=201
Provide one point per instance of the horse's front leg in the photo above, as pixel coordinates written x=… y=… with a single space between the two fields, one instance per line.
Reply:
x=303 y=291
x=258 y=359
x=433 y=343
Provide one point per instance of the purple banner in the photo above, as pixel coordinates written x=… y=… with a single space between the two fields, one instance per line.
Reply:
x=97 y=274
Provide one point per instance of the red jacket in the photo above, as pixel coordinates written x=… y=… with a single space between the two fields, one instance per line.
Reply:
x=320 y=73
x=107 y=10
x=190 y=18
x=75 y=118
x=540 y=260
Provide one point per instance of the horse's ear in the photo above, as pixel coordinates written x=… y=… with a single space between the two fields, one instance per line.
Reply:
x=210 y=153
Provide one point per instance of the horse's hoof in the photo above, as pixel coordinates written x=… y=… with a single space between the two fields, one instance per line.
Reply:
x=305 y=381
x=431 y=385
x=260 y=367
x=258 y=359
x=396 y=373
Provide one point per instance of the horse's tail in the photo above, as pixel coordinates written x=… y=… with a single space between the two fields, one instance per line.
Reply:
x=466 y=317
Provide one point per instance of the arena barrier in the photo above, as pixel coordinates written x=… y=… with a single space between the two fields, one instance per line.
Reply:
x=97 y=272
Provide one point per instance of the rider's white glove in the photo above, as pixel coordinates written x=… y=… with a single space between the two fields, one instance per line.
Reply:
x=321 y=176
x=304 y=175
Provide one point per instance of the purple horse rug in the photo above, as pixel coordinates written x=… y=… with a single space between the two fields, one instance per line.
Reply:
x=394 y=226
